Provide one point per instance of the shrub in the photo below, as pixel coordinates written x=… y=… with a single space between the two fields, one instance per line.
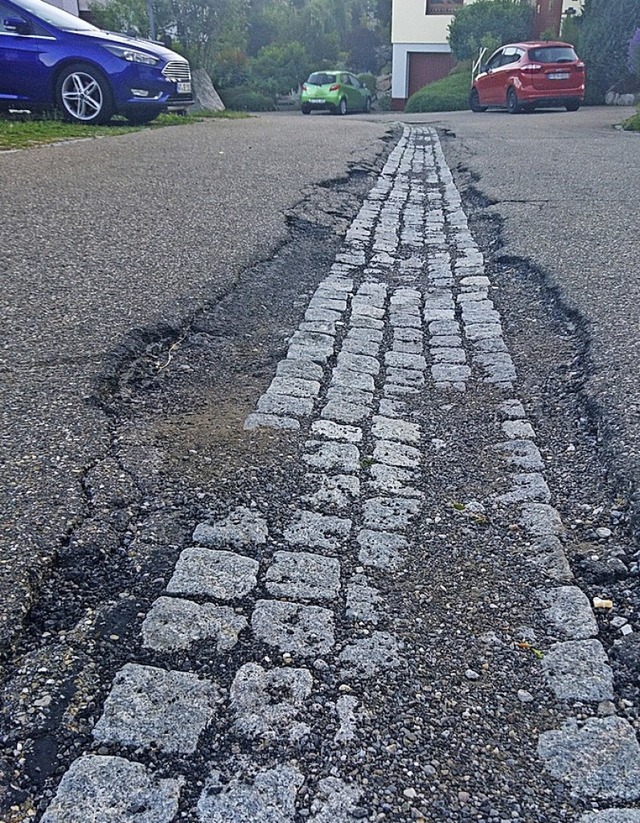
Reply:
x=505 y=21
x=607 y=26
x=634 y=53
x=449 y=94
x=383 y=103
x=368 y=80
x=244 y=98
x=633 y=123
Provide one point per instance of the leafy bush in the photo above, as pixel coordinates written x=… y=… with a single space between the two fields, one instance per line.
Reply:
x=244 y=98
x=368 y=80
x=633 y=123
x=504 y=21
x=449 y=94
x=634 y=53
x=383 y=103
x=280 y=68
x=607 y=27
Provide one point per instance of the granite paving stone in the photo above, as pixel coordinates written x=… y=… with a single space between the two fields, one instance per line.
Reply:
x=243 y=528
x=540 y=519
x=336 y=431
x=450 y=373
x=270 y=421
x=344 y=457
x=598 y=758
x=389 y=513
x=113 y=790
x=293 y=627
x=397 y=454
x=294 y=387
x=315 y=530
x=480 y=331
x=336 y=802
x=213 y=573
x=568 y=610
x=449 y=355
x=393 y=480
x=349 y=394
x=578 y=670
x=302 y=369
x=348 y=413
x=342 y=376
x=522 y=454
x=359 y=362
x=303 y=576
x=526 y=486
x=404 y=377
x=283 y=405
x=153 y=707
x=338 y=491
x=267 y=702
x=362 y=601
x=405 y=361
x=269 y=797
x=385 y=428
x=173 y=623
x=518 y=430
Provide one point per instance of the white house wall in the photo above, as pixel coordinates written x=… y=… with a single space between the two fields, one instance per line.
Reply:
x=410 y=23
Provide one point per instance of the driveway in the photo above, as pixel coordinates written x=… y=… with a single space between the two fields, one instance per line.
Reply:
x=102 y=239
x=324 y=519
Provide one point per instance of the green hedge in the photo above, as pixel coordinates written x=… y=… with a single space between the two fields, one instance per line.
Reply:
x=244 y=98
x=449 y=94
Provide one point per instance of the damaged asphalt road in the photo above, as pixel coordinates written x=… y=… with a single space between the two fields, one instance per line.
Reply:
x=110 y=248
x=391 y=630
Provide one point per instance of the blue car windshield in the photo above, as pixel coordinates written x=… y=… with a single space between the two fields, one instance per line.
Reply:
x=54 y=16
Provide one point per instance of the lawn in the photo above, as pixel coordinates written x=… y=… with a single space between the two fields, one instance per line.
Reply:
x=23 y=132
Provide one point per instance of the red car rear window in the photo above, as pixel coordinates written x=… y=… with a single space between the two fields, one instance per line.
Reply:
x=553 y=54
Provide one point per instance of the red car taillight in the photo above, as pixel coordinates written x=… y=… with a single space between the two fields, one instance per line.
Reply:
x=335 y=87
x=579 y=67
x=530 y=68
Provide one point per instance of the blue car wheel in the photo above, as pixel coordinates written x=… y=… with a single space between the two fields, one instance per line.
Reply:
x=83 y=94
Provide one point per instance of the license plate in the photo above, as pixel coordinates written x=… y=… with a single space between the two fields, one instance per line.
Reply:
x=184 y=88
x=558 y=75
x=316 y=100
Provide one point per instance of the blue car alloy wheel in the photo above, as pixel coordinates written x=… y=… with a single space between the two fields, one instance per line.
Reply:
x=51 y=59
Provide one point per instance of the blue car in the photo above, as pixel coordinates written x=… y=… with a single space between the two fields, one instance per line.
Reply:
x=51 y=59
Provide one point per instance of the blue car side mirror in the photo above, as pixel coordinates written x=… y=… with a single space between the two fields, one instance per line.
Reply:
x=18 y=25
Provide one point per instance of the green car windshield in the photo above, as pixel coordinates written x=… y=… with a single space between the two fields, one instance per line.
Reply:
x=320 y=78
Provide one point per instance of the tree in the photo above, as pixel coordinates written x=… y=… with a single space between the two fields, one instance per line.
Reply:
x=362 y=43
x=279 y=69
x=503 y=21
x=607 y=28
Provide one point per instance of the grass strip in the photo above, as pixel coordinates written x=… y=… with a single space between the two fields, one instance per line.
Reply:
x=26 y=131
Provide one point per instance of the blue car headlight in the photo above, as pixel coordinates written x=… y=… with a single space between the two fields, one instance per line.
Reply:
x=133 y=56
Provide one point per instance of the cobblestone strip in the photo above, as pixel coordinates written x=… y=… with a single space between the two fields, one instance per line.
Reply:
x=576 y=667
x=364 y=456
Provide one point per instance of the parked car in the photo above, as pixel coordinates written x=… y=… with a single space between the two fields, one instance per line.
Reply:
x=335 y=91
x=526 y=76
x=49 y=58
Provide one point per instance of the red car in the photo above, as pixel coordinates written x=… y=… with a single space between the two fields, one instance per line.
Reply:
x=527 y=76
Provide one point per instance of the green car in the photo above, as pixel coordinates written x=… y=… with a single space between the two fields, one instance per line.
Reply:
x=335 y=91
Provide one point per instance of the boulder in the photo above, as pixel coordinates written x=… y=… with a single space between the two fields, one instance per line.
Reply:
x=205 y=96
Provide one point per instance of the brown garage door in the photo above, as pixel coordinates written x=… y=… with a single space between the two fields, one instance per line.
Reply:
x=424 y=68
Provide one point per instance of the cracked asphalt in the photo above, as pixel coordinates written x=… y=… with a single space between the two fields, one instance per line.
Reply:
x=124 y=433
x=102 y=240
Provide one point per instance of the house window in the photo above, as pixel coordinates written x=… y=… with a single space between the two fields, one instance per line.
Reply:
x=443 y=6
